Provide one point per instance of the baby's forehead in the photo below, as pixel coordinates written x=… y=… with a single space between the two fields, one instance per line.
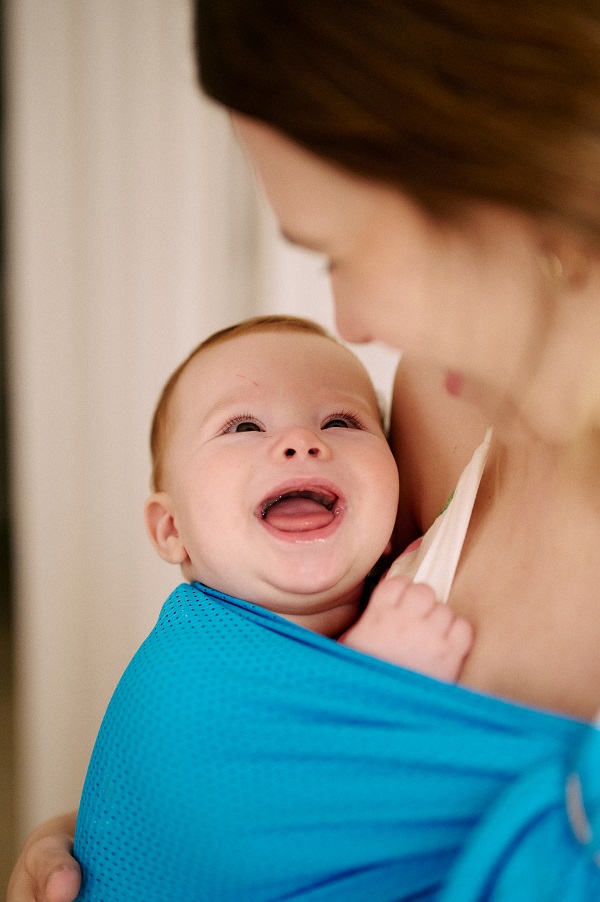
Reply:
x=272 y=359
x=284 y=349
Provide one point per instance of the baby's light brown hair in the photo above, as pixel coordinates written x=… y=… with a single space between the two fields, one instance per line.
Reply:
x=160 y=420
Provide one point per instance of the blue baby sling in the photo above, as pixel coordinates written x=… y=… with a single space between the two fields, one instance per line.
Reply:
x=243 y=757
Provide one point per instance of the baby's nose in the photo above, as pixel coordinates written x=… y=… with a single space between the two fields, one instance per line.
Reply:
x=289 y=452
x=300 y=442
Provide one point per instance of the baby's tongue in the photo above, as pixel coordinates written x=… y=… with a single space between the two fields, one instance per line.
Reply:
x=298 y=515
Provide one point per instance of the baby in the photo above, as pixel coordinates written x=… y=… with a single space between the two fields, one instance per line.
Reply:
x=275 y=490
x=274 y=482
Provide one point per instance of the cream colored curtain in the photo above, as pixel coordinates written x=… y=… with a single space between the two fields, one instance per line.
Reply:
x=133 y=232
x=132 y=229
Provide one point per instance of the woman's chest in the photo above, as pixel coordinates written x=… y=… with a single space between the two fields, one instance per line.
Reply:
x=537 y=634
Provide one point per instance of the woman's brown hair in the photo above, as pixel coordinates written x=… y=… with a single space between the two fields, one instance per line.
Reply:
x=451 y=100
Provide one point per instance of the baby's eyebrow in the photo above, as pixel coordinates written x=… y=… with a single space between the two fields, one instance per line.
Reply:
x=336 y=400
x=224 y=404
x=360 y=402
x=352 y=398
x=375 y=406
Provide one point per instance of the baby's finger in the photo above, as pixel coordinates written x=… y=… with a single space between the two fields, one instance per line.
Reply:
x=462 y=634
x=390 y=591
x=45 y=872
x=419 y=599
x=443 y=617
x=63 y=884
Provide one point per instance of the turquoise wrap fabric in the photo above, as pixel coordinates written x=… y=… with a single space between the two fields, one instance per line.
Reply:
x=245 y=758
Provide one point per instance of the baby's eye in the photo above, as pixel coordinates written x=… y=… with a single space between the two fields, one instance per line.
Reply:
x=342 y=421
x=246 y=426
x=241 y=424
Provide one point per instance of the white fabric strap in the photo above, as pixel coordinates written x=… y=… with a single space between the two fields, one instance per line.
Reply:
x=435 y=560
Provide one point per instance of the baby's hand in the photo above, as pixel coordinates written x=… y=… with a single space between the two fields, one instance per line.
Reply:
x=405 y=624
x=45 y=870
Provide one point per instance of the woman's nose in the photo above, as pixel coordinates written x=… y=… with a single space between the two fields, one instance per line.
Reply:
x=300 y=442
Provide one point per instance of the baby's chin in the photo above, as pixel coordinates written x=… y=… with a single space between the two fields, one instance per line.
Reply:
x=324 y=610
x=331 y=622
x=328 y=604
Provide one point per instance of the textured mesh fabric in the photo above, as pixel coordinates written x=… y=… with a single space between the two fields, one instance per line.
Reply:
x=245 y=758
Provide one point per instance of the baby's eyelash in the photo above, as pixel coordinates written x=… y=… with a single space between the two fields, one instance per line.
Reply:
x=351 y=418
x=240 y=418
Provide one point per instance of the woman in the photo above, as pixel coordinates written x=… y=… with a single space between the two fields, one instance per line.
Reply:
x=444 y=156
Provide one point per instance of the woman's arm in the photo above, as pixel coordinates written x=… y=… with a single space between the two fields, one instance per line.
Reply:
x=45 y=870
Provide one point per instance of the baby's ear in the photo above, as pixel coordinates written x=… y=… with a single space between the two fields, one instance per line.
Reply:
x=162 y=530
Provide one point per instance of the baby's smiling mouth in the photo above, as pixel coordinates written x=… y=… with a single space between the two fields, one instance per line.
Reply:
x=326 y=499
x=300 y=510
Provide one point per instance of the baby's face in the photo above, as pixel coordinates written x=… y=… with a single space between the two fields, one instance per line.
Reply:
x=282 y=484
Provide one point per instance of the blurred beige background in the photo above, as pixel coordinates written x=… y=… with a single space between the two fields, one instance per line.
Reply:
x=133 y=231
